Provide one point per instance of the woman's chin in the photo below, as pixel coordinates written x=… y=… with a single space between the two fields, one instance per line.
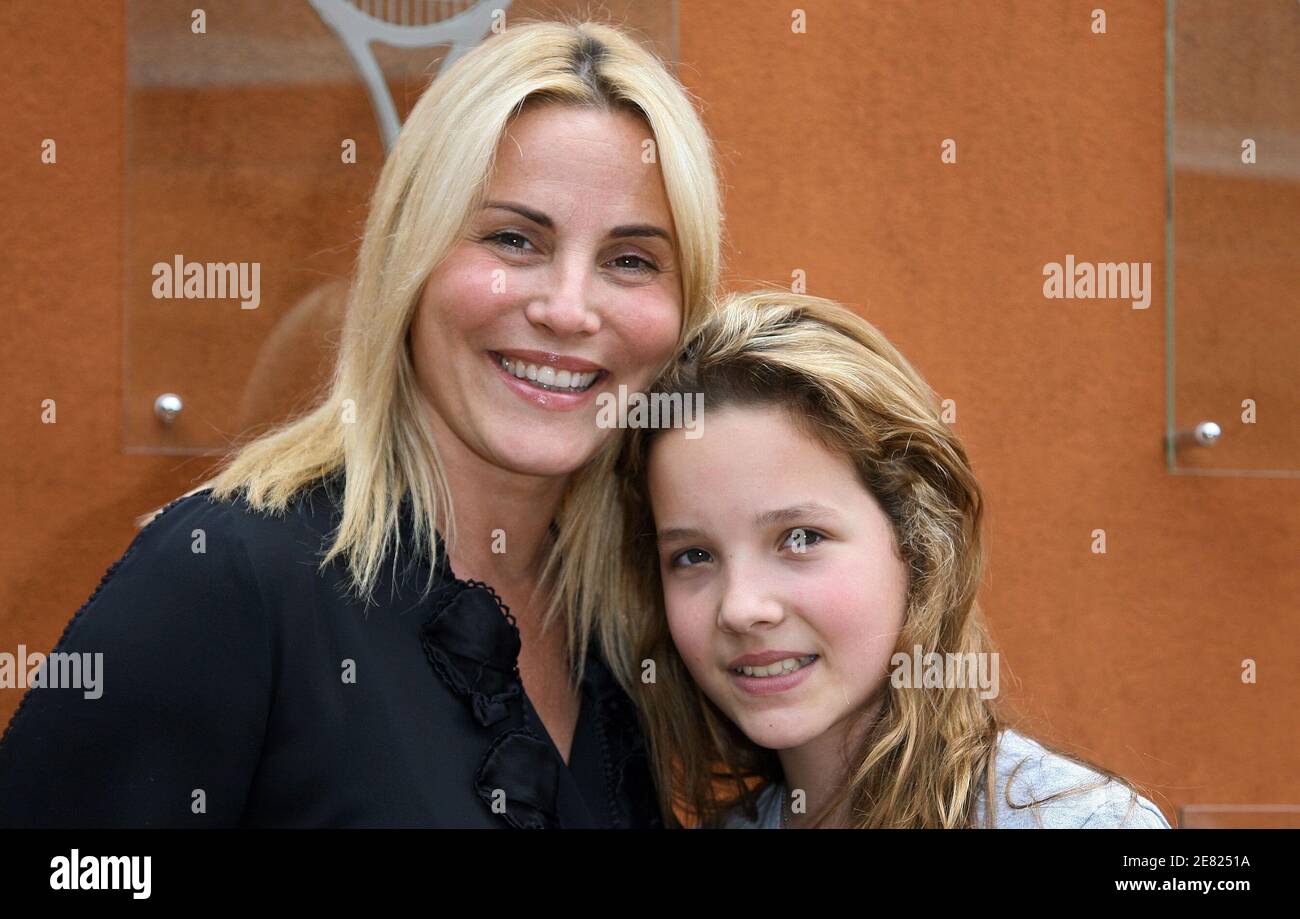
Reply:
x=545 y=459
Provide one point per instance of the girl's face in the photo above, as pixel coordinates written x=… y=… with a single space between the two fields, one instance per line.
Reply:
x=732 y=510
x=570 y=273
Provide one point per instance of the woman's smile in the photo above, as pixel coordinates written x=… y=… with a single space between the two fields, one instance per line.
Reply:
x=562 y=384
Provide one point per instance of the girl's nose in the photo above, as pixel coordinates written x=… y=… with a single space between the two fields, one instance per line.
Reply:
x=749 y=601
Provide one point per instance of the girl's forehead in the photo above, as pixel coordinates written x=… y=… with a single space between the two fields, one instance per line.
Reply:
x=748 y=454
x=740 y=443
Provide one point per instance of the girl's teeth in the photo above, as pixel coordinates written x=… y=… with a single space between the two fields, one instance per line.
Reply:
x=548 y=377
x=776 y=668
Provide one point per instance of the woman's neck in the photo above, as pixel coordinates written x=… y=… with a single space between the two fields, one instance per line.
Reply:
x=502 y=517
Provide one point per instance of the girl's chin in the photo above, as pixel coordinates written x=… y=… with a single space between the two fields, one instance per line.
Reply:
x=776 y=736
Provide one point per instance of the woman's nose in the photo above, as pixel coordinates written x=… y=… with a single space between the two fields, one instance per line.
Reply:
x=565 y=305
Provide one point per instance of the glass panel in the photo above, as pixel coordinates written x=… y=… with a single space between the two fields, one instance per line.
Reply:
x=234 y=157
x=1233 y=332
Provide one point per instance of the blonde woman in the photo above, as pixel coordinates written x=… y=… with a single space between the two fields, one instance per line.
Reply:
x=374 y=615
x=817 y=531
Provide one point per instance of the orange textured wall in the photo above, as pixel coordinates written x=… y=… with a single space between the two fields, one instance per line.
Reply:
x=830 y=143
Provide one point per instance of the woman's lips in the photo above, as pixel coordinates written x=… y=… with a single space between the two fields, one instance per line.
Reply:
x=551 y=399
x=548 y=359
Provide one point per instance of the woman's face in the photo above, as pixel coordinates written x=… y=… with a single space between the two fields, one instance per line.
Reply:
x=729 y=509
x=570 y=274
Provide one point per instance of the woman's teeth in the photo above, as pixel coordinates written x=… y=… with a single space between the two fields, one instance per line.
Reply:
x=777 y=668
x=546 y=377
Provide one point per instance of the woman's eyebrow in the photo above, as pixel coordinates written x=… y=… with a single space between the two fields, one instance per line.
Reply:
x=537 y=217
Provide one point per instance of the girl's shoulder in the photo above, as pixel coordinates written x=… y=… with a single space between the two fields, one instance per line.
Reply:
x=768 y=807
x=1040 y=789
x=1027 y=772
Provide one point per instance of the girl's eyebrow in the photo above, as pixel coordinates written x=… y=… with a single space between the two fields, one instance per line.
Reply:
x=805 y=511
x=537 y=217
x=672 y=533
x=793 y=513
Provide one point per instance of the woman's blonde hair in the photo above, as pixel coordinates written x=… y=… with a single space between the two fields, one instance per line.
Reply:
x=370 y=422
x=851 y=391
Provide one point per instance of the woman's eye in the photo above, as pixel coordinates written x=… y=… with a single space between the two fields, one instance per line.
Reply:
x=518 y=243
x=645 y=264
x=800 y=538
x=676 y=560
x=506 y=237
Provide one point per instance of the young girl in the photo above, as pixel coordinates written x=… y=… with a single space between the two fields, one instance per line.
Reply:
x=817 y=534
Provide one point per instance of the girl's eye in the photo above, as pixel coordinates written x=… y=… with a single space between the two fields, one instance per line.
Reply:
x=505 y=235
x=800 y=538
x=645 y=266
x=675 y=562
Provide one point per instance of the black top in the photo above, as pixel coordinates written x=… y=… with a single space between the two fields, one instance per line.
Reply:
x=240 y=687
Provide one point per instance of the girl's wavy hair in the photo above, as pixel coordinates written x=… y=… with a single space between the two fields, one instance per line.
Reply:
x=847 y=387
x=432 y=183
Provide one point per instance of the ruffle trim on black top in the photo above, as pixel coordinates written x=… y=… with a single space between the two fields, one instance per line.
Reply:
x=473 y=643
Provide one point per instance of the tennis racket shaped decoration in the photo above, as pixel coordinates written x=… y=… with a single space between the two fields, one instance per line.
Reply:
x=461 y=24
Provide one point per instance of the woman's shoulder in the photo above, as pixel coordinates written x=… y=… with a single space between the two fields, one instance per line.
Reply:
x=199 y=524
x=1038 y=788
x=200 y=564
x=175 y=642
x=190 y=564
x=313 y=508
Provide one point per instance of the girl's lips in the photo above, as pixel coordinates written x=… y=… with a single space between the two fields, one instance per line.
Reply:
x=767 y=685
x=546 y=398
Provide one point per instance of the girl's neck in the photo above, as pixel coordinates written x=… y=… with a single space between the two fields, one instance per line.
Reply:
x=821 y=767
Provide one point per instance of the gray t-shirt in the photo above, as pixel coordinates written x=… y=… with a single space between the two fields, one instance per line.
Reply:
x=1043 y=773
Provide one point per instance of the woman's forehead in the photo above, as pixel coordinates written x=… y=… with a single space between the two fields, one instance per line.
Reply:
x=587 y=156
